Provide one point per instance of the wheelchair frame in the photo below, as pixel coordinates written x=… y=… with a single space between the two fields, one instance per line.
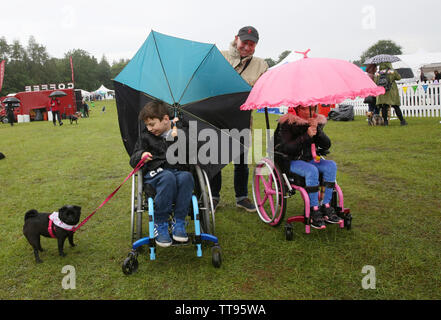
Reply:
x=279 y=185
x=202 y=214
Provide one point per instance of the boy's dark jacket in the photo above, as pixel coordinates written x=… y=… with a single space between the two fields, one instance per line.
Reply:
x=157 y=146
x=292 y=139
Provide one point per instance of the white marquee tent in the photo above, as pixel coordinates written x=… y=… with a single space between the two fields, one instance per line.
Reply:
x=104 y=92
x=429 y=61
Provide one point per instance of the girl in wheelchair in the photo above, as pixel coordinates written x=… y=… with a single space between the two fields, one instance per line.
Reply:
x=173 y=185
x=297 y=132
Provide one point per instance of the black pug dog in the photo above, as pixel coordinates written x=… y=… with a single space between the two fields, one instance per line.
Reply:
x=51 y=225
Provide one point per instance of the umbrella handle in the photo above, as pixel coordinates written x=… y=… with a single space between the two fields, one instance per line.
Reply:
x=314 y=154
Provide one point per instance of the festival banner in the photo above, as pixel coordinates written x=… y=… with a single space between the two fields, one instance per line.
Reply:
x=2 y=73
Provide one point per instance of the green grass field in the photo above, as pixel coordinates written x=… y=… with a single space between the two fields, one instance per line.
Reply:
x=390 y=177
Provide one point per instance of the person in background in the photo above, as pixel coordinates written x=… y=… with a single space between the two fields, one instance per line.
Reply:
x=241 y=57
x=391 y=98
x=371 y=101
x=54 y=106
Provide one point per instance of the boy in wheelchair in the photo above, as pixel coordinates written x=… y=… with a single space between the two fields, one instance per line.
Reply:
x=173 y=185
x=297 y=131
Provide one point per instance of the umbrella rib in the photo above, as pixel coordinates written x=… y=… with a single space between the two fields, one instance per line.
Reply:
x=163 y=69
x=194 y=73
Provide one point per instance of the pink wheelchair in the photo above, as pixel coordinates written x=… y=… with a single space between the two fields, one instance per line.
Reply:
x=273 y=184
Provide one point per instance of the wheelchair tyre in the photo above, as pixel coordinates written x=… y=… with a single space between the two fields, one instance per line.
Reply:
x=136 y=207
x=205 y=201
x=289 y=232
x=269 y=194
x=130 y=264
x=216 y=256
x=348 y=221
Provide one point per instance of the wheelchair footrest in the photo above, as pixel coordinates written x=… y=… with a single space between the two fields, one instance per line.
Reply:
x=296 y=219
x=209 y=237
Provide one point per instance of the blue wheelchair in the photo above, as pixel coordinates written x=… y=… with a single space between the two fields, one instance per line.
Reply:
x=201 y=212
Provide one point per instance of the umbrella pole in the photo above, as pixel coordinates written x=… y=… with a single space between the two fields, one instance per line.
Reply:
x=268 y=138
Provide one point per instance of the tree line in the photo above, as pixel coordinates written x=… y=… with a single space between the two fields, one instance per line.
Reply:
x=32 y=65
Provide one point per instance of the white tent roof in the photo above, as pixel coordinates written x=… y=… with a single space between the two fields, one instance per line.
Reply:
x=103 y=90
x=429 y=61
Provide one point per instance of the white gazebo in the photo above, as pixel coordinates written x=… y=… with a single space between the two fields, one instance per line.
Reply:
x=104 y=93
x=428 y=61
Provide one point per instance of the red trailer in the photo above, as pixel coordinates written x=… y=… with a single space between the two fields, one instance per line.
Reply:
x=36 y=103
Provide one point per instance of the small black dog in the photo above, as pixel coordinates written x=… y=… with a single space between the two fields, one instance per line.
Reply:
x=51 y=225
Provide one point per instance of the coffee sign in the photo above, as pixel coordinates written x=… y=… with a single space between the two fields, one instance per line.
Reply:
x=42 y=87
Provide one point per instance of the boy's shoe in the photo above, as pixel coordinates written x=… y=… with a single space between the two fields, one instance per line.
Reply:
x=162 y=235
x=329 y=214
x=246 y=204
x=178 y=231
x=317 y=221
x=404 y=123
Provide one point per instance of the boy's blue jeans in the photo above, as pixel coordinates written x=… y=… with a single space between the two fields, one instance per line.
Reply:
x=310 y=170
x=172 y=186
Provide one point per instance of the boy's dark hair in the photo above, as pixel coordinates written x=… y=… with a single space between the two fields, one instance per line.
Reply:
x=154 y=110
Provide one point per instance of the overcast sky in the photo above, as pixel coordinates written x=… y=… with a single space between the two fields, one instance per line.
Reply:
x=331 y=28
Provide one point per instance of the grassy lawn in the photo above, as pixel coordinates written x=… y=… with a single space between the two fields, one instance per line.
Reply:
x=390 y=177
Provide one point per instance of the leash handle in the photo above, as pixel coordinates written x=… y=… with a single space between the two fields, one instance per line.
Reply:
x=110 y=196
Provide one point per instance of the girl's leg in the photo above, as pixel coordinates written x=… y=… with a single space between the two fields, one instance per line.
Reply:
x=329 y=170
x=311 y=175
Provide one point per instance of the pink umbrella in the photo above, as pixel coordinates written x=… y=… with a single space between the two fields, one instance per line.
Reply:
x=309 y=82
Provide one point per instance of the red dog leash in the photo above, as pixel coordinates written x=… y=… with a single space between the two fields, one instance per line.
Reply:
x=138 y=166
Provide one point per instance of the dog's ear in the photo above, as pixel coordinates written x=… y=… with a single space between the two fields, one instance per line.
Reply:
x=62 y=209
x=77 y=208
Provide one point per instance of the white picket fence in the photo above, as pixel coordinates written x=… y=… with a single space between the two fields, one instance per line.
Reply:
x=421 y=99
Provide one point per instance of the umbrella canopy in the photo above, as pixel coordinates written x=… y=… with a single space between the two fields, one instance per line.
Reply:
x=309 y=82
x=191 y=77
x=382 y=58
x=57 y=94
x=11 y=100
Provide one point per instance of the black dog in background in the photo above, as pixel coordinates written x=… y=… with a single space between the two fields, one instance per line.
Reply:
x=51 y=225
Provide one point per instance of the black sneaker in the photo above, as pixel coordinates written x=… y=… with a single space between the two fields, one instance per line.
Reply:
x=246 y=204
x=329 y=215
x=317 y=221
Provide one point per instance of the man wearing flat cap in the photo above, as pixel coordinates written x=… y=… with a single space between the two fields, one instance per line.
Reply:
x=240 y=56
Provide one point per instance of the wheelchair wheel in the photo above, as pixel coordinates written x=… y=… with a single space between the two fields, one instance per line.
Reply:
x=216 y=257
x=137 y=207
x=269 y=192
x=130 y=264
x=205 y=201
